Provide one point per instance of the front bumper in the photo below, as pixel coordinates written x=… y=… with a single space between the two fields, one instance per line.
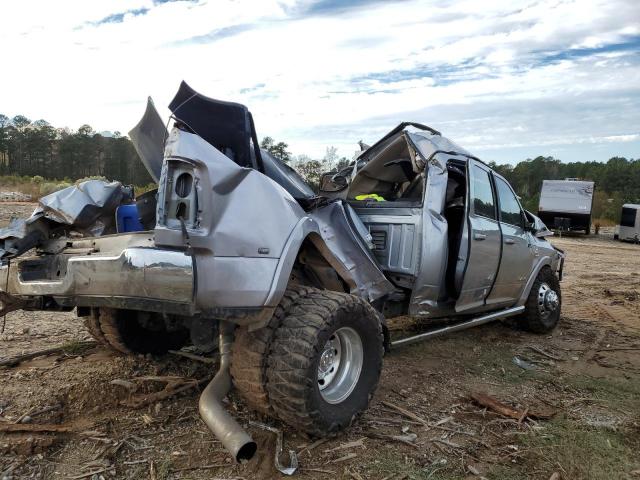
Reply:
x=120 y=271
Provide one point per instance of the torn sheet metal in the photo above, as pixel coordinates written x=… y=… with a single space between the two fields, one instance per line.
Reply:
x=339 y=230
x=148 y=138
x=428 y=286
x=227 y=126
x=81 y=205
x=22 y=235
x=87 y=208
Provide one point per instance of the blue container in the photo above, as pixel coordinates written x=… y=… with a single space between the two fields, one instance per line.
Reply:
x=127 y=219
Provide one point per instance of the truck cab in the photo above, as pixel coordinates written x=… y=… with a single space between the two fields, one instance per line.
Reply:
x=447 y=231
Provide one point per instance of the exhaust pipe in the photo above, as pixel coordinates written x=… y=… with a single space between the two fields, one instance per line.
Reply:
x=223 y=426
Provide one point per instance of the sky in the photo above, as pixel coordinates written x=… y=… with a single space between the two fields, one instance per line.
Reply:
x=507 y=80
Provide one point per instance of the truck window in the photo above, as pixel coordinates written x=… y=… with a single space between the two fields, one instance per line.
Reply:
x=509 y=207
x=628 y=218
x=482 y=194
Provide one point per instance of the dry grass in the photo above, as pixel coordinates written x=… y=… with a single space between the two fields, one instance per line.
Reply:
x=604 y=222
x=38 y=187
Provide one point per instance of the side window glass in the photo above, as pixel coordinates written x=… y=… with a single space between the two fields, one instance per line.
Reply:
x=482 y=194
x=509 y=208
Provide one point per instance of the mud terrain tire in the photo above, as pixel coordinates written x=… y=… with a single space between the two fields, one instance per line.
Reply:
x=537 y=317
x=249 y=354
x=121 y=330
x=298 y=359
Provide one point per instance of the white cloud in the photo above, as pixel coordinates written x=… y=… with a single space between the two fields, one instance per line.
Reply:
x=496 y=75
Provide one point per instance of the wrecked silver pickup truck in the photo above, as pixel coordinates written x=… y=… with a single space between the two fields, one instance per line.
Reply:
x=294 y=286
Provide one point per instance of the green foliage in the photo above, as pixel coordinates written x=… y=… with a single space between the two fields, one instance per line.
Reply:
x=278 y=150
x=36 y=148
x=617 y=181
x=49 y=187
x=37 y=186
x=140 y=189
x=91 y=177
x=310 y=169
x=36 y=155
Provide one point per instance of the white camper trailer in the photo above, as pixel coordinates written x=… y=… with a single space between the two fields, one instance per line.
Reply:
x=629 y=228
x=566 y=204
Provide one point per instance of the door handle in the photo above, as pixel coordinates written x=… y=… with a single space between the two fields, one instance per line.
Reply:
x=479 y=236
x=509 y=241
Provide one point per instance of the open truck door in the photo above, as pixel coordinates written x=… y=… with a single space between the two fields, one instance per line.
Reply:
x=480 y=248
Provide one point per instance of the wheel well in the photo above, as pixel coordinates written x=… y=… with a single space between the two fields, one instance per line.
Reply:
x=316 y=267
x=313 y=268
x=532 y=280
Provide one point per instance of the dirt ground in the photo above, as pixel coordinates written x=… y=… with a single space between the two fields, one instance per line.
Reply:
x=585 y=375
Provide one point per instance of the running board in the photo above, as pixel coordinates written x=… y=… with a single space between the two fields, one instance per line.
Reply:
x=474 y=322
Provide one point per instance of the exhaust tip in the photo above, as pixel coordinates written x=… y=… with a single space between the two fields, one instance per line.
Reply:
x=246 y=452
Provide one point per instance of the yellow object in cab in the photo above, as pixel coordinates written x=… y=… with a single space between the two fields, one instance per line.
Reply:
x=370 y=196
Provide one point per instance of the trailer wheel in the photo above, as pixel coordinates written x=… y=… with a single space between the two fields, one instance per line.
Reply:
x=249 y=354
x=542 y=309
x=325 y=362
x=130 y=331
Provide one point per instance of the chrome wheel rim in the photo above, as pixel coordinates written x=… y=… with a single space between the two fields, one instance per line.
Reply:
x=548 y=300
x=340 y=365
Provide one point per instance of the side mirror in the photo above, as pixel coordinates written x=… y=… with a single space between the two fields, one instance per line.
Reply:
x=536 y=226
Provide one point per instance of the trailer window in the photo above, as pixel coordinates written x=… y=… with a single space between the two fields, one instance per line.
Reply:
x=482 y=194
x=509 y=207
x=628 y=218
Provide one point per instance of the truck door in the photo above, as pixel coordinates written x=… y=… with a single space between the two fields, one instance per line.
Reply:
x=480 y=252
x=517 y=256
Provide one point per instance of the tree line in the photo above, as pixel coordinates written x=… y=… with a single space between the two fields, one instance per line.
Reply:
x=617 y=181
x=36 y=148
x=30 y=148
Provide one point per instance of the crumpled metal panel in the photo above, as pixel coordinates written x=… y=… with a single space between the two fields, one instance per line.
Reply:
x=81 y=205
x=22 y=235
x=433 y=257
x=243 y=212
x=225 y=125
x=340 y=233
x=429 y=144
x=148 y=138
x=249 y=219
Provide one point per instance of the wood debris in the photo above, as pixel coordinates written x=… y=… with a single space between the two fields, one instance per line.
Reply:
x=409 y=441
x=34 y=427
x=89 y=474
x=318 y=470
x=192 y=356
x=173 y=386
x=10 y=362
x=546 y=354
x=406 y=413
x=132 y=387
x=354 y=444
x=348 y=456
x=487 y=401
